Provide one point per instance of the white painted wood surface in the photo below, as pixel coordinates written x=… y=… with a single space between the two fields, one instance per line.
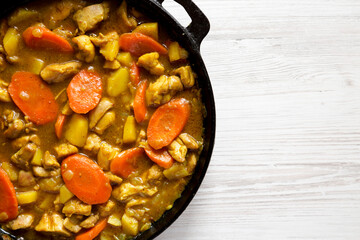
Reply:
x=286 y=163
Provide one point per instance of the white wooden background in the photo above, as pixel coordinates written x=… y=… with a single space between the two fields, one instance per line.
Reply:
x=286 y=163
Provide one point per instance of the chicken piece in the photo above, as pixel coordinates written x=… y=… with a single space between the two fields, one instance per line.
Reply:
x=22 y=221
x=109 y=45
x=14 y=129
x=51 y=185
x=150 y=61
x=75 y=206
x=26 y=179
x=107 y=208
x=22 y=157
x=105 y=155
x=22 y=141
x=64 y=32
x=61 y=10
x=113 y=178
x=105 y=122
x=72 y=224
x=186 y=76
x=41 y=172
x=93 y=143
x=176 y=171
x=177 y=150
x=126 y=23
x=4 y=94
x=163 y=89
x=88 y=17
x=49 y=161
x=52 y=222
x=58 y=72
x=90 y=221
x=127 y=190
x=189 y=141
x=136 y=202
x=86 y=48
x=96 y=114
x=153 y=175
x=101 y=40
x=65 y=149
x=191 y=161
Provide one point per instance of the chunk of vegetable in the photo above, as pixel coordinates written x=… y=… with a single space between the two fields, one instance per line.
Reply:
x=65 y=194
x=167 y=122
x=115 y=220
x=110 y=50
x=33 y=97
x=130 y=225
x=140 y=102
x=125 y=58
x=150 y=29
x=93 y=232
x=161 y=157
x=97 y=113
x=11 y=171
x=134 y=74
x=59 y=125
x=139 y=44
x=84 y=91
x=176 y=52
x=125 y=163
x=129 y=134
x=37 y=158
x=117 y=82
x=36 y=65
x=42 y=38
x=51 y=185
x=77 y=130
x=27 y=197
x=9 y=203
x=176 y=171
x=85 y=179
x=11 y=41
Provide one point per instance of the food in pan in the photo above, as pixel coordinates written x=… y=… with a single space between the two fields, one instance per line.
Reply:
x=101 y=120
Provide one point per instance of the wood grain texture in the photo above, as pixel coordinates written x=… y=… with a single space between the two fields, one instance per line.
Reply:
x=286 y=163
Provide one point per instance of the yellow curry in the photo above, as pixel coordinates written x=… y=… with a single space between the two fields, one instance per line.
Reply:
x=101 y=120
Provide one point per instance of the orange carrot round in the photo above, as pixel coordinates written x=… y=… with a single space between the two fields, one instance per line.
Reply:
x=139 y=102
x=84 y=91
x=59 y=125
x=134 y=74
x=167 y=122
x=93 y=232
x=124 y=163
x=161 y=157
x=9 y=204
x=85 y=179
x=139 y=44
x=33 y=97
x=42 y=38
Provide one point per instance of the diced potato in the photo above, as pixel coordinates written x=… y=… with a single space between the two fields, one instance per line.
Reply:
x=36 y=65
x=22 y=15
x=51 y=185
x=145 y=227
x=129 y=134
x=37 y=158
x=77 y=130
x=118 y=82
x=47 y=202
x=106 y=121
x=125 y=59
x=149 y=29
x=27 y=197
x=11 y=41
x=115 y=220
x=130 y=225
x=65 y=194
x=110 y=50
x=11 y=171
x=176 y=52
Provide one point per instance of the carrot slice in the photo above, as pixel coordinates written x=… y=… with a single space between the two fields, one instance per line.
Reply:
x=42 y=38
x=85 y=179
x=84 y=91
x=33 y=97
x=139 y=44
x=139 y=102
x=161 y=157
x=9 y=204
x=167 y=122
x=93 y=232
x=134 y=74
x=59 y=125
x=124 y=163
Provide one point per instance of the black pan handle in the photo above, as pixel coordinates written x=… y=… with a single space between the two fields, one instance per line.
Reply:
x=200 y=25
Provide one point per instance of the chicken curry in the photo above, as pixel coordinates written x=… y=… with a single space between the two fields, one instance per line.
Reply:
x=101 y=120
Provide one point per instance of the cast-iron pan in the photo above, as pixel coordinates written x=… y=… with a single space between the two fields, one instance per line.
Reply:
x=190 y=38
